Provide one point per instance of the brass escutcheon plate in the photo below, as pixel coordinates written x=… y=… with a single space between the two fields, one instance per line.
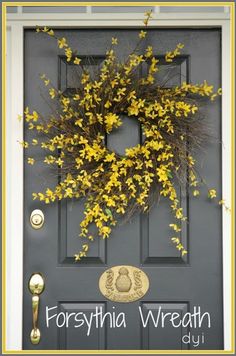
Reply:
x=123 y=284
x=36 y=283
x=37 y=219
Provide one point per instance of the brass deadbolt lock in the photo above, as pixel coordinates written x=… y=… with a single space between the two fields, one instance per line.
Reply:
x=37 y=219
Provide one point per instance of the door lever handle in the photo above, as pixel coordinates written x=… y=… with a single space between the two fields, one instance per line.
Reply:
x=36 y=287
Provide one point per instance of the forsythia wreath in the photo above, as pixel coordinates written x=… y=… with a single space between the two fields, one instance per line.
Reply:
x=117 y=185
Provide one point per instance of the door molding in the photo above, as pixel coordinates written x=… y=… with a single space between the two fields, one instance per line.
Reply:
x=16 y=23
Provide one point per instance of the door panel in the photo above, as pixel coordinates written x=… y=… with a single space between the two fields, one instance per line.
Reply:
x=177 y=284
x=68 y=337
x=69 y=243
x=150 y=340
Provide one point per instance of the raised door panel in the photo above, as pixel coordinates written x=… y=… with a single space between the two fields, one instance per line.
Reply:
x=160 y=328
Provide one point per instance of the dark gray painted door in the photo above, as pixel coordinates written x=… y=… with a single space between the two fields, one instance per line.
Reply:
x=176 y=283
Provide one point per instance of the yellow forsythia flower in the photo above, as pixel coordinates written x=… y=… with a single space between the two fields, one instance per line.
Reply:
x=52 y=93
x=108 y=104
x=212 y=193
x=24 y=144
x=175 y=227
x=51 y=32
x=77 y=257
x=45 y=29
x=114 y=41
x=62 y=42
x=179 y=213
x=77 y=60
x=68 y=53
x=149 y=52
x=175 y=240
x=85 y=247
x=105 y=231
x=31 y=161
x=142 y=34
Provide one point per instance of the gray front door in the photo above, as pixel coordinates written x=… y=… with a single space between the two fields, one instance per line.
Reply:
x=177 y=284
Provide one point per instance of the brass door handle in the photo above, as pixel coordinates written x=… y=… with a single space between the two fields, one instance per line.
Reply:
x=36 y=287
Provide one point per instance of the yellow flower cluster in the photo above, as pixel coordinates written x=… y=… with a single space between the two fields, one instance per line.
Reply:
x=116 y=185
x=171 y=55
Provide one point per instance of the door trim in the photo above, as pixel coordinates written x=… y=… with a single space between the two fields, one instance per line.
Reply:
x=14 y=154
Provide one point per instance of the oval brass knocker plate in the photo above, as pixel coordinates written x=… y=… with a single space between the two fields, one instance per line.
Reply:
x=123 y=284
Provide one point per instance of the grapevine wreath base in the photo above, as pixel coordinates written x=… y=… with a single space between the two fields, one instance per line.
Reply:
x=115 y=185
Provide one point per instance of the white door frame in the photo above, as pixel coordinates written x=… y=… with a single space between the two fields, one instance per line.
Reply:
x=14 y=154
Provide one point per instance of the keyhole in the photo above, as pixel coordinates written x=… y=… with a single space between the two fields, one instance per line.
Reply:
x=36 y=220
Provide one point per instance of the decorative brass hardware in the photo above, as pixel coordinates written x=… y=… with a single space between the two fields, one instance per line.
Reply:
x=36 y=287
x=124 y=284
x=37 y=219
